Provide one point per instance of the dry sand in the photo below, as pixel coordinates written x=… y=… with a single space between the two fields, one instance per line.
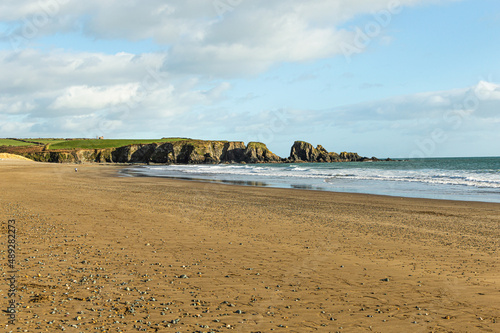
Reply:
x=97 y=252
x=6 y=156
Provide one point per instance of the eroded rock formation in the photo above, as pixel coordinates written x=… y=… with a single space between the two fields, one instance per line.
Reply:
x=176 y=152
x=305 y=152
x=189 y=152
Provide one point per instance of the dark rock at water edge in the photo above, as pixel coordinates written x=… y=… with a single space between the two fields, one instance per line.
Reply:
x=305 y=152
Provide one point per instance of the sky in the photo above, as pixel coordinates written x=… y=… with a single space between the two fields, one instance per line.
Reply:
x=385 y=78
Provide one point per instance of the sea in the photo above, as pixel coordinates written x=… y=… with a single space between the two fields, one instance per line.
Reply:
x=467 y=179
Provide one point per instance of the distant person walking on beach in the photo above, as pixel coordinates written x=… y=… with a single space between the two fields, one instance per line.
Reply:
x=76 y=170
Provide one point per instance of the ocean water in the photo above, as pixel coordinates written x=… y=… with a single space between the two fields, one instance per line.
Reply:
x=470 y=179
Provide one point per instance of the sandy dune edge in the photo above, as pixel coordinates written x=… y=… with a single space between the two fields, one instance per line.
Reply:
x=6 y=156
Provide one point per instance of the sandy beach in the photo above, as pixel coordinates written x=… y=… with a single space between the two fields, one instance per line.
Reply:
x=96 y=252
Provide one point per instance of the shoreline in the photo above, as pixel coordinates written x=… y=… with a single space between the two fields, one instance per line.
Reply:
x=248 y=184
x=123 y=167
x=128 y=172
x=254 y=259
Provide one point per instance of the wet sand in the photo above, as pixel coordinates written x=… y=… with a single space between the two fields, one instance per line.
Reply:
x=98 y=252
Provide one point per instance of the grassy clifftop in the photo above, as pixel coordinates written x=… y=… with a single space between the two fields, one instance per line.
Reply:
x=162 y=151
x=103 y=143
x=165 y=151
x=14 y=143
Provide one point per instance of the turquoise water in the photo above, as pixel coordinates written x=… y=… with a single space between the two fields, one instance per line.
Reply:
x=471 y=179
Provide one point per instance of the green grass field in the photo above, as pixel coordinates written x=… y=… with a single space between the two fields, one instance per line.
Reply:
x=48 y=141
x=101 y=144
x=14 y=143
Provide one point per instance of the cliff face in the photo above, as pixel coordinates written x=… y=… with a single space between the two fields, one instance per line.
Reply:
x=191 y=152
x=63 y=157
x=305 y=152
x=257 y=152
x=179 y=152
x=197 y=152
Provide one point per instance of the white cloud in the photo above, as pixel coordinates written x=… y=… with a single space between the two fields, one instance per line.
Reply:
x=249 y=36
x=85 y=97
x=400 y=124
x=487 y=90
x=14 y=105
x=428 y=105
x=35 y=72
x=83 y=94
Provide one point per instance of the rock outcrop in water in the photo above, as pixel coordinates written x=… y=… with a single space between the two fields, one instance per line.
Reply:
x=305 y=152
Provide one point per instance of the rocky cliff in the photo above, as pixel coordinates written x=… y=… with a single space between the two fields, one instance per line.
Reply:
x=257 y=152
x=188 y=152
x=305 y=152
x=177 y=152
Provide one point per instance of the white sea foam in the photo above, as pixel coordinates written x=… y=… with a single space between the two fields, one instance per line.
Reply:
x=329 y=175
x=457 y=179
x=429 y=177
